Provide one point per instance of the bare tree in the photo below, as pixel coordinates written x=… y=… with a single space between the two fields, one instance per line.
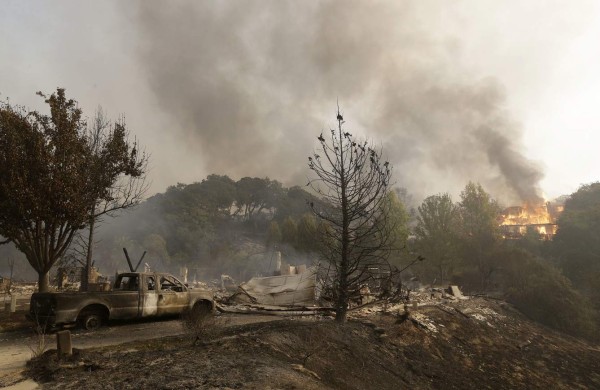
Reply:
x=357 y=235
x=118 y=189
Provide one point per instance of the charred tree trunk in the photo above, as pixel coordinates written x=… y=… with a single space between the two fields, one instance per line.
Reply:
x=44 y=281
x=341 y=309
x=87 y=272
x=343 y=295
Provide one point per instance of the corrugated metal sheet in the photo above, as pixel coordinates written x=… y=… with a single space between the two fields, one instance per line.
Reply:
x=284 y=290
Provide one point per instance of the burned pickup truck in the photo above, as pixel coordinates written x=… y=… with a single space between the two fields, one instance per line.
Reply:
x=134 y=295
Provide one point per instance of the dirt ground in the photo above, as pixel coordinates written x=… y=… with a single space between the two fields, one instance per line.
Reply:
x=13 y=321
x=17 y=347
x=474 y=344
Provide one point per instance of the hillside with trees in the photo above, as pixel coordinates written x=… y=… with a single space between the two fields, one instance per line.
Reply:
x=215 y=226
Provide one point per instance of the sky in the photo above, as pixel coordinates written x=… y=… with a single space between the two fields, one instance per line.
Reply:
x=502 y=93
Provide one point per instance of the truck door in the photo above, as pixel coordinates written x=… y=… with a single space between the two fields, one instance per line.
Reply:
x=172 y=296
x=125 y=298
x=149 y=296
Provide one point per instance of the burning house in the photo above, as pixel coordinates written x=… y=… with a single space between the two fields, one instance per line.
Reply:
x=515 y=221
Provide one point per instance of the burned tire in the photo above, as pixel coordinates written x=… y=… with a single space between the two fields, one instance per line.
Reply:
x=91 y=319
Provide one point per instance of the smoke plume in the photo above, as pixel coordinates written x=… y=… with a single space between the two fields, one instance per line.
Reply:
x=250 y=85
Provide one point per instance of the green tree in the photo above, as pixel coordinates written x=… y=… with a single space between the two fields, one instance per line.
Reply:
x=188 y=226
x=436 y=233
x=533 y=242
x=289 y=231
x=46 y=181
x=253 y=195
x=354 y=182
x=294 y=202
x=397 y=221
x=577 y=241
x=156 y=246
x=480 y=232
x=217 y=194
x=306 y=233
x=541 y=292
x=274 y=235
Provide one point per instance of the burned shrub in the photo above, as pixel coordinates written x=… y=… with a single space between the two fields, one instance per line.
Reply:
x=201 y=323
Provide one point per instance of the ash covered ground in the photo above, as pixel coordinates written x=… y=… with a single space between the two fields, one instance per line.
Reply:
x=451 y=344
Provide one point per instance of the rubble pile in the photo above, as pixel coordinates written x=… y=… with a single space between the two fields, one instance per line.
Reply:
x=424 y=322
x=264 y=296
x=20 y=288
x=448 y=300
x=70 y=287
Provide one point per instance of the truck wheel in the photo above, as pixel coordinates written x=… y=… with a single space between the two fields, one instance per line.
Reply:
x=91 y=320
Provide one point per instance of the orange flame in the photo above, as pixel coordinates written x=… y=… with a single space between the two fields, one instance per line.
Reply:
x=526 y=215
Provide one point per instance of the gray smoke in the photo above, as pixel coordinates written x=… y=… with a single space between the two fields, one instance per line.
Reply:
x=251 y=84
